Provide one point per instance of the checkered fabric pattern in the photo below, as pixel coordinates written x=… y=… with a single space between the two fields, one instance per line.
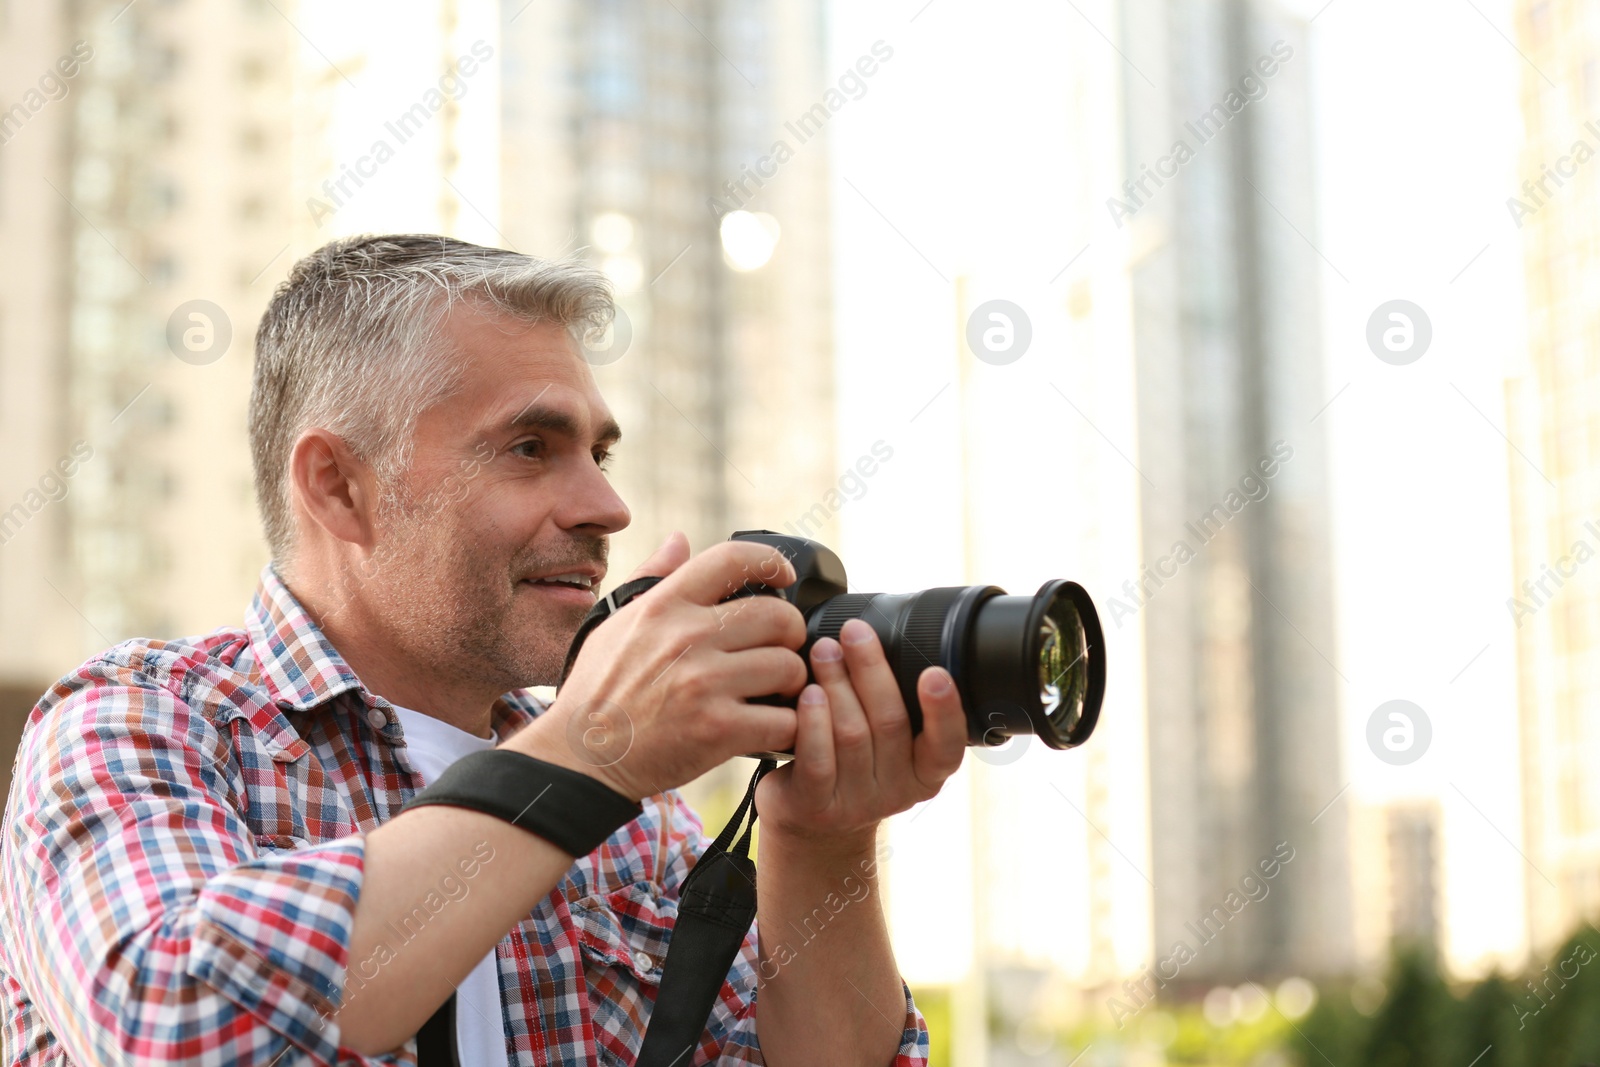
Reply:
x=183 y=851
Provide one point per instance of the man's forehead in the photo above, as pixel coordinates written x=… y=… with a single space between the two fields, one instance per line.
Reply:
x=521 y=375
x=493 y=344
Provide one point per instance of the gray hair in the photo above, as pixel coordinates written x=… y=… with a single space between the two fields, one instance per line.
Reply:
x=351 y=343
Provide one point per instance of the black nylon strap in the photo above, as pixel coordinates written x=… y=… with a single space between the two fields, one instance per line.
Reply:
x=716 y=906
x=603 y=609
x=436 y=1041
x=572 y=811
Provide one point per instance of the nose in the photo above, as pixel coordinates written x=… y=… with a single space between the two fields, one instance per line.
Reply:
x=591 y=504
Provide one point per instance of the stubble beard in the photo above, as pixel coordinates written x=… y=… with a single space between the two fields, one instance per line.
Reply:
x=455 y=606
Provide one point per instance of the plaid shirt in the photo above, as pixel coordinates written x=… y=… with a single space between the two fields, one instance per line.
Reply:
x=183 y=851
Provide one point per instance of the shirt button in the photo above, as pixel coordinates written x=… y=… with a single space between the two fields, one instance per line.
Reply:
x=378 y=719
x=643 y=962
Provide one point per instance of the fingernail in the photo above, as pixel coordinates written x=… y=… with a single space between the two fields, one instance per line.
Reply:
x=813 y=694
x=938 y=681
x=827 y=650
x=855 y=632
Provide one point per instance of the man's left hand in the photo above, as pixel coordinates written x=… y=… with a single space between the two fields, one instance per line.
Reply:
x=856 y=760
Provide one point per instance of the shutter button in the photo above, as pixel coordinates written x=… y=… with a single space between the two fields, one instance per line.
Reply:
x=378 y=719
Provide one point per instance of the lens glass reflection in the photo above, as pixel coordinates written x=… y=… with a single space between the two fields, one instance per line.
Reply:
x=1063 y=666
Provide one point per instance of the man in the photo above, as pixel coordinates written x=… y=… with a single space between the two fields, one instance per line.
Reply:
x=204 y=857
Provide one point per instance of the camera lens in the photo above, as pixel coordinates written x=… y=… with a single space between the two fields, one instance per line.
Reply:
x=1023 y=664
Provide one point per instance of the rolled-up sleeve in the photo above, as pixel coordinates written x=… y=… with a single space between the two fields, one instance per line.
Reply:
x=140 y=916
x=730 y=1036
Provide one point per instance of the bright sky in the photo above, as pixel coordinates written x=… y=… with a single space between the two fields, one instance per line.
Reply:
x=1416 y=166
x=944 y=171
x=958 y=161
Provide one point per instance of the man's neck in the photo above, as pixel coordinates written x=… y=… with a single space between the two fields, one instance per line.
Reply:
x=357 y=635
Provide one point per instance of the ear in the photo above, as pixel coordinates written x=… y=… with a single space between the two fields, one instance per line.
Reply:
x=332 y=486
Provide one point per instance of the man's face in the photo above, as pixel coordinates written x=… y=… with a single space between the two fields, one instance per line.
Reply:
x=505 y=488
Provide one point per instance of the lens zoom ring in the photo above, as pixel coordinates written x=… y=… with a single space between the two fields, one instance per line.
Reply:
x=840 y=610
x=919 y=646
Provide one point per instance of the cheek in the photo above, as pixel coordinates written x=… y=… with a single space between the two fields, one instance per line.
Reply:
x=486 y=525
x=436 y=555
x=504 y=515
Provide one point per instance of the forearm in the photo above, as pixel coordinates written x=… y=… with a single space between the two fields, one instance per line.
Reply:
x=829 y=991
x=407 y=952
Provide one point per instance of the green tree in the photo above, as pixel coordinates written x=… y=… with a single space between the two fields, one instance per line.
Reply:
x=1333 y=1034
x=1487 y=1029
x=1559 y=1004
x=1410 y=1028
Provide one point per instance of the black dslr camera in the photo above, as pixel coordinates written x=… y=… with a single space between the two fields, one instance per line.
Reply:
x=1022 y=664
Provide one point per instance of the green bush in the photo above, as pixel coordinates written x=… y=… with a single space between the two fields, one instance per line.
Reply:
x=1547 y=1017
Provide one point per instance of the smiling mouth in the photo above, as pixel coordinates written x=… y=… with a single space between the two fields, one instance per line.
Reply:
x=572 y=580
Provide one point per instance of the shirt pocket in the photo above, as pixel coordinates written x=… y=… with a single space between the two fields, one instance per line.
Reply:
x=280 y=843
x=628 y=929
x=623 y=939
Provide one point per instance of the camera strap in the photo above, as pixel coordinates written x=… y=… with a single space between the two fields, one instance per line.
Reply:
x=716 y=903
x=572 y=811
x=603 y=609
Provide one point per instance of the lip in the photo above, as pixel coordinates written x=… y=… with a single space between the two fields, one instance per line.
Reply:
x=565 y=593
x=593 y=573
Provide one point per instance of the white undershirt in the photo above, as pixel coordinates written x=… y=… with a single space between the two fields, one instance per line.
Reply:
x=480 y=1031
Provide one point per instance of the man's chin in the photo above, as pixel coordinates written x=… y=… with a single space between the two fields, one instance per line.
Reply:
x=545 y=626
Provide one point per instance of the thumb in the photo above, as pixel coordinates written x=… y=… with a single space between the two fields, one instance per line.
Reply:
x=672 y=554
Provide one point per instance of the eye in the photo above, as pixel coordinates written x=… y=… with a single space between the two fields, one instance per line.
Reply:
x=532 y=445
x=603 y=459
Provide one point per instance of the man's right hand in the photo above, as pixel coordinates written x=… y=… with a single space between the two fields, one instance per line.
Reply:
x=659 y=693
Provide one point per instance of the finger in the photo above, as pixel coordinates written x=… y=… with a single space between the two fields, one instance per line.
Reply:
x=672 y=554
x=939 y=748
x=752 y=621
x=726 y=568
x=815 y=770
x=750 y=728
x=876 y=687
x=852 y=734
x=755 y=672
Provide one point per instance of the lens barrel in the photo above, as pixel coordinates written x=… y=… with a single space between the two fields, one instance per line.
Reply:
x=1022 y=664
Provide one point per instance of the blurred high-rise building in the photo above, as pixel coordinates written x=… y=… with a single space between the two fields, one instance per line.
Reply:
x=1554 y=419
x=1414 y=867
x=33 y=323
x=140 y=175
x=632 y=132
x=1234 y=598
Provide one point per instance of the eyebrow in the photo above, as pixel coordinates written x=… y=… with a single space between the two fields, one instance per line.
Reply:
x=559 y=421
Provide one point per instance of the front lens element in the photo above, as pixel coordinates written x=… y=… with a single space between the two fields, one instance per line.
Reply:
x=1063 y=665
x=1049 y=660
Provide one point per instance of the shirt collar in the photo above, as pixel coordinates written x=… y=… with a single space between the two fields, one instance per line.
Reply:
x=301 y=669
